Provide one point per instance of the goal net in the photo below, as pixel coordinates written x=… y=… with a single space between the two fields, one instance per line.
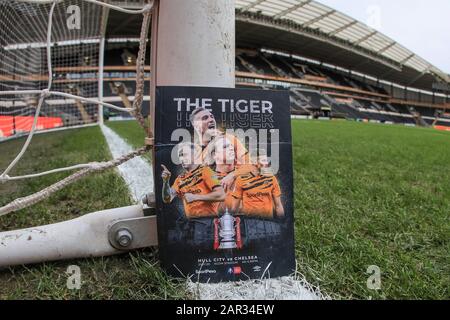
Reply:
x=63 y=55
x=51 y=73
x=75 y=39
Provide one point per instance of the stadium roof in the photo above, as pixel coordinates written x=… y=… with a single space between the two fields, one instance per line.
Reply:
x=317 y=31
x=313 y=30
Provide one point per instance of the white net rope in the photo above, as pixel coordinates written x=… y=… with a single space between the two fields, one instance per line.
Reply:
x=37 y=47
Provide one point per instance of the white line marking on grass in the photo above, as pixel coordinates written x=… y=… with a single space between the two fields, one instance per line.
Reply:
x=137 y=172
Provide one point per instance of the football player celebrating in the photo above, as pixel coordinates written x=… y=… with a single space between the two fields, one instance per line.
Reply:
x=221 y=156
x=258 y=193
x=198 y=186
x=205 y=130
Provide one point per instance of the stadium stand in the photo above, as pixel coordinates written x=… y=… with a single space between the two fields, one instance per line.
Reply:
x=315 y=91
x=315 y=95
x=328 y=71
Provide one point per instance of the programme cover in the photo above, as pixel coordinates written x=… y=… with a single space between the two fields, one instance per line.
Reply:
x=224 y=183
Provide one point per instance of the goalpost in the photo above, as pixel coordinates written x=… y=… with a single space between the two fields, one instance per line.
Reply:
x=183 y=53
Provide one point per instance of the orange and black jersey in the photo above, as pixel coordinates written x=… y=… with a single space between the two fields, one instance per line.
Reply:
x=228 y=203
x=199 y=181
x=256 y=193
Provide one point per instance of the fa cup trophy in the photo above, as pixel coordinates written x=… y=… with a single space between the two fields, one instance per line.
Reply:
x=227 y=232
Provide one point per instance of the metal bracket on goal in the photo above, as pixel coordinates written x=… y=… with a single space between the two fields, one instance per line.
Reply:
x=135 y=233
x=129 y=234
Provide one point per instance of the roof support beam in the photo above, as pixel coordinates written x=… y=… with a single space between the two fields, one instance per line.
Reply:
x=387 y=47
x=384 y=75
x=418 y=77
x=252 y=18
x=444 y=77
x=252 y=5
x=293 y=8
x=348 y=25
x=407 y=58
x=367 y=37
x=317 y=19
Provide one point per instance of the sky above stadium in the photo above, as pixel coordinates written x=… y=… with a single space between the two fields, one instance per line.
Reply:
x=421 y=26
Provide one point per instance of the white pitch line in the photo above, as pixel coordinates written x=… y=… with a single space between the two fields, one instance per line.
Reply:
x=137 y=172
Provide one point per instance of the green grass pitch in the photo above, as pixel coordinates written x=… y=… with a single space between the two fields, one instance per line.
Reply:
x=365 y=194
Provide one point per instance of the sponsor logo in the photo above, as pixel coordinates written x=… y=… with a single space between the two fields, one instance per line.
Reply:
x=205 y=271
x=258 y=194
x=235 y=270
x=256 y=268
x=195 y=191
